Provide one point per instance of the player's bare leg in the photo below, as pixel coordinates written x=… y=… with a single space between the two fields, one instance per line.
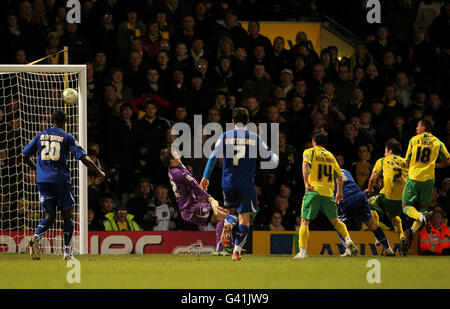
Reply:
x=68 y=229
x=43 y=226
x=303 y=239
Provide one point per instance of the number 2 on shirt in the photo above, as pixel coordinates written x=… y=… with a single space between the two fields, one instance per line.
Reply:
x=397 y=176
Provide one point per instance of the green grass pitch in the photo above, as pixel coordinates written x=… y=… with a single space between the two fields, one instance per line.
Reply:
x=218 y=272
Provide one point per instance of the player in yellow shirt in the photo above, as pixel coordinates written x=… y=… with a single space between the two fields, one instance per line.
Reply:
x=423 y=151
x=319 y=170
x=394 y=170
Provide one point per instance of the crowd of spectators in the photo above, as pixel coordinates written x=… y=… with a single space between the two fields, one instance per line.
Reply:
x=154 y=63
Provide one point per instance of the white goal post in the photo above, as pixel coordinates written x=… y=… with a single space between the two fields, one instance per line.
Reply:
x=28 y=96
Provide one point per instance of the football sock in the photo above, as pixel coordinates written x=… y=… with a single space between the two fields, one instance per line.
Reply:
x=344 y=244
x=342 y=229
x=379 y=234
x=68 y=232
x=411 y=212
x=416 y=226
x=375 y=217
x=219 y=228
x=303 y=235
x=43 y=226
x=423 y=212
x=397 y=223
x=241 y=237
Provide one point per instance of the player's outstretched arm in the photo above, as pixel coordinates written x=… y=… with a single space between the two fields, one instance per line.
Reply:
x=196 y=187
x=266 y=152
x=28 y=161
x=91 y=165
x=204 y=183
x=340 y=186
x=372 y=181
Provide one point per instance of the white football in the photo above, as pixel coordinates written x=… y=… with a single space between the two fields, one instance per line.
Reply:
x=70 y=96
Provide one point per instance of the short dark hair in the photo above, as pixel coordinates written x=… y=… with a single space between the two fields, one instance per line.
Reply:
x=394 y=146
x=108 y=196
x=121 y=208
x=320 y=137
x=240 y=115
x=59 y=117
x=110 y=85
x=224 y=57
x=361 y=43
x=325 y=51
x=427 y=124
x=165 y=156
x=251 y=96
x=276 y=211
x=126 y=105
x=364 y=145
x=143 y=180
x=152 y=103
x=254 y=21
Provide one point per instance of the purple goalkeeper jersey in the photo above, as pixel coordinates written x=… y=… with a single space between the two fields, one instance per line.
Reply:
x=187 y=190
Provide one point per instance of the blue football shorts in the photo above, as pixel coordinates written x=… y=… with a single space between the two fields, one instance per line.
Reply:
x=244 y=200
x=56 y=196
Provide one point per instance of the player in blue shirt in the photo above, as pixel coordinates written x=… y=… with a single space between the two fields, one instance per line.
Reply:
x=238 y=148
x=355 y=203
x=53 y=178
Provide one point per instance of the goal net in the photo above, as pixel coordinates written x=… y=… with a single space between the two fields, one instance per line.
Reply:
x=28 y=97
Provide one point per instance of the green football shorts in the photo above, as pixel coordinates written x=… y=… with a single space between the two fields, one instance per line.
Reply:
x=380 y=202
x=418 y=191
x=313 y=202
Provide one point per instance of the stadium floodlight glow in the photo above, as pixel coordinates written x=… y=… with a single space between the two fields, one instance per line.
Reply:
x=28 y=96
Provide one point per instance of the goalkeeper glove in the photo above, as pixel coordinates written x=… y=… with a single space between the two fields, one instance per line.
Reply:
x=214 y=204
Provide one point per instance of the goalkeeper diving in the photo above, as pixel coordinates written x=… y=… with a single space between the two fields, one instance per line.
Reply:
x=194 y=203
